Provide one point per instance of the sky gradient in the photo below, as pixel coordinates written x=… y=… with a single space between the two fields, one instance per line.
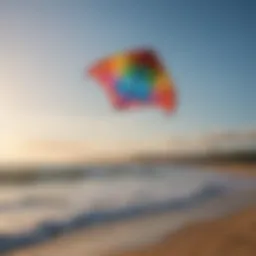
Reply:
x=46 y=46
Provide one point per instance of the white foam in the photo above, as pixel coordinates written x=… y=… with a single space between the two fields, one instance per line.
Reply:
x=27 y=206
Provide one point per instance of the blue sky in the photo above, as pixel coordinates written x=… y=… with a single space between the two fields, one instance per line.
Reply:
x=46 y=46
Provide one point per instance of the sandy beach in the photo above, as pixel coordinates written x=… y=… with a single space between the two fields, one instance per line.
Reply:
x=226 y=225
x=234 y=234
x=231 y=235
x=127 y=128
x=245 y=170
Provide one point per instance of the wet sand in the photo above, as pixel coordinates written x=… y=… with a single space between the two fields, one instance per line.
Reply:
x=232 y=235
x=223 y=226
x=142 y=232
x=245 y=170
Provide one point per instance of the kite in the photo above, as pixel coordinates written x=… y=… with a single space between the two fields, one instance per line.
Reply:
x=135 y=78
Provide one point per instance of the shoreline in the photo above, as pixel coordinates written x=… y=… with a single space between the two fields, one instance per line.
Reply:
x=143 y=231
x=246 y=170
x=151 y=230
x=228 y=235
x=50 y=230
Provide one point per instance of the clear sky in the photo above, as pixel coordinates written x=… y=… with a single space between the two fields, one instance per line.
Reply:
x=45 y=46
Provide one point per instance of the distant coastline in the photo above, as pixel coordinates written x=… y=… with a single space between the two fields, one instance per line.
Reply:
x=230 y=157
x=29 y=174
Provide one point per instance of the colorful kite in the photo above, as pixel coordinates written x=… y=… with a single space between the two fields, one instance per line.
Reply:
x=135 y=78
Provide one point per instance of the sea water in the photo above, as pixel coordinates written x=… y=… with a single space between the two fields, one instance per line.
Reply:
x=104 y=193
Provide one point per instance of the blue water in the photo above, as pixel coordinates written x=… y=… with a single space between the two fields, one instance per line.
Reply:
x=36 y=212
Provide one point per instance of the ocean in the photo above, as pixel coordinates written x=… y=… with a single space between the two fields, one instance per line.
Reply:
x=35 y=212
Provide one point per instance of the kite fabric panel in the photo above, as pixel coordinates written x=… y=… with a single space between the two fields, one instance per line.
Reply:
x=135 y=78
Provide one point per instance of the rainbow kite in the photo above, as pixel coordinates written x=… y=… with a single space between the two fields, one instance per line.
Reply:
x=135 y=78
